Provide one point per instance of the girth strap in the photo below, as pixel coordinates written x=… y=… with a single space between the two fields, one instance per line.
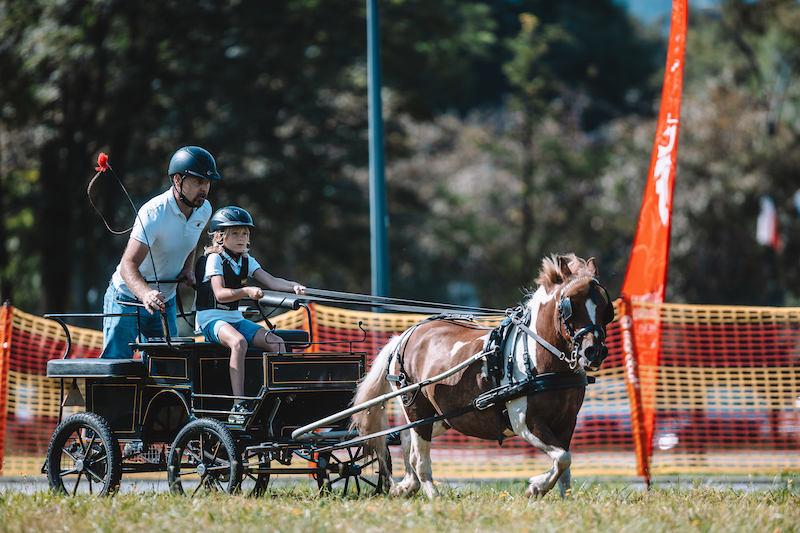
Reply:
x=539 y=383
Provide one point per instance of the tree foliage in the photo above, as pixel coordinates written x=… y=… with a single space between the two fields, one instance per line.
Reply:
x=513 y=130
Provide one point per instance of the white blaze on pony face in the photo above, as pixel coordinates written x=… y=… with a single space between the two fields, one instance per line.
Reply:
x=591 y=308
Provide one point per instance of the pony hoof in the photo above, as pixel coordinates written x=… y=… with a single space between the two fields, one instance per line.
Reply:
x=400 y=491
x=535 y=492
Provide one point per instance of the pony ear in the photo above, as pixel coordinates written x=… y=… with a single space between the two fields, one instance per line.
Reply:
x=563 y=266
x=591 y=267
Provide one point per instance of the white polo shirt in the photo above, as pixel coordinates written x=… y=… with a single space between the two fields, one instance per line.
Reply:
x=162 y=226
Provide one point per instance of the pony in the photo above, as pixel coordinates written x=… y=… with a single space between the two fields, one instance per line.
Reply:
x=528 y=377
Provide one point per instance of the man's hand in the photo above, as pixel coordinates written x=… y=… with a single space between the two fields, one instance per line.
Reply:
x=154 y=301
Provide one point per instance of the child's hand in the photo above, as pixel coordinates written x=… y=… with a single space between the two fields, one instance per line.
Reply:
x=255 y=293
x=299 y=289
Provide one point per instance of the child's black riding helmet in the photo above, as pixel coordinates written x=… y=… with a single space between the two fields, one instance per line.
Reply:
x=230 y=216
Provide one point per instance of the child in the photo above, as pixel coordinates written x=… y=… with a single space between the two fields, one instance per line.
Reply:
x=221 y=275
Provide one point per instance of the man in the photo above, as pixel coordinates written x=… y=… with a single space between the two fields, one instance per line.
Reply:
x=161 y=248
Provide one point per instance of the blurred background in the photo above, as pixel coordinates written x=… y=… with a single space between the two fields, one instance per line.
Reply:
x=514 y=129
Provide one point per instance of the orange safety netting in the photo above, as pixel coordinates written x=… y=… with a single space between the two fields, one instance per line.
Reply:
x=727 y=390
x=726 y=394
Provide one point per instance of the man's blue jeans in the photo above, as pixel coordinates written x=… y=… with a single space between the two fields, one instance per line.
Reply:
x=119 y=331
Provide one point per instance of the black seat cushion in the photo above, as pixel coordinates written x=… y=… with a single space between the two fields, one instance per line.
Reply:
x=101 y=368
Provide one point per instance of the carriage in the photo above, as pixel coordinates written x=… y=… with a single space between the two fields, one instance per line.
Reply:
x=169 y=411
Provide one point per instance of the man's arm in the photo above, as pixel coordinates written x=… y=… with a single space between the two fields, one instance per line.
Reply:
x=187 y=274
x=134 y=255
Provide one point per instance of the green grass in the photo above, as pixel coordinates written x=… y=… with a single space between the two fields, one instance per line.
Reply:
x=490 y=507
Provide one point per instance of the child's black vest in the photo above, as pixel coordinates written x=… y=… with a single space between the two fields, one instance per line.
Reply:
x=205 y=293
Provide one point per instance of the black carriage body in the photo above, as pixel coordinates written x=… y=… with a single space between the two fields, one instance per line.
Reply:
x=153 y=398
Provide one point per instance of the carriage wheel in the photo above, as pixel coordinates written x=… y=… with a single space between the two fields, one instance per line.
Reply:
x=203 y=457
x=351 y=472
x=84 y=456
x=254 y=484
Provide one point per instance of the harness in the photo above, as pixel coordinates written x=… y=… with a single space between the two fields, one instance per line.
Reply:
x=400 y=377
x=205 y=293
x=514 y=328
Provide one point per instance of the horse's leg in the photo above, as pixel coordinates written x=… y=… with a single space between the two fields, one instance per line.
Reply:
x=410 y=482
x=564 y=483
x=421 y=461
x=562 y=459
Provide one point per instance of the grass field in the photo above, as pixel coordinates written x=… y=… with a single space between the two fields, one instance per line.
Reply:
x=489 y=507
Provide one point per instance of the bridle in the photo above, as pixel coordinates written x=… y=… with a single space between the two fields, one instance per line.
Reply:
x=564 y=307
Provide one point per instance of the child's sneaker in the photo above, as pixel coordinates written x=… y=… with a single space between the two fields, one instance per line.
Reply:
x=235 y=417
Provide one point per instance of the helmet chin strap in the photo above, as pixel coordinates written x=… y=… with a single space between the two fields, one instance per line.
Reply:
x=183 y=198
x=231 y=253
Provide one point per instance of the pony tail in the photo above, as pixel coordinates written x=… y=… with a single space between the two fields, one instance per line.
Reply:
x=375 y=418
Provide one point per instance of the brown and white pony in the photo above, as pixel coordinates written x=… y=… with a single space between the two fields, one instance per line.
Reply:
x=569 y=311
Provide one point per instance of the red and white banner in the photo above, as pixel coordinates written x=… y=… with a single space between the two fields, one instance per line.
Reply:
x=767 y=233
x=645 y=279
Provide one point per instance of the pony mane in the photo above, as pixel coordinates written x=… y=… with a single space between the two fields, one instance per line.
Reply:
x=550 y=273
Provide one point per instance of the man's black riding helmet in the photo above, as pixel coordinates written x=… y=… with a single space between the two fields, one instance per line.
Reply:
x=230 y=216
x=195 y=161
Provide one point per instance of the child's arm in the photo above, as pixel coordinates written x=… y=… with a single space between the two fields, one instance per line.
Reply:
x=277 y=284
x=225 y=295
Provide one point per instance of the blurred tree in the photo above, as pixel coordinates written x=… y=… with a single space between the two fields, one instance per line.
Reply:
x=517 y=181
x=501 y=135
x=740 y=133
x=536 y=87
x=276 y=91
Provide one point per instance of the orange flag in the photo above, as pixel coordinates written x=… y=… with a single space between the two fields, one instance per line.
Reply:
x=646 y=277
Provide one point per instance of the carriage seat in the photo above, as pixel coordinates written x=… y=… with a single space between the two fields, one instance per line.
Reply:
x=95 y=368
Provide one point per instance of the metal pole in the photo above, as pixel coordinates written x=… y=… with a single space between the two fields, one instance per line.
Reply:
x=378 y=217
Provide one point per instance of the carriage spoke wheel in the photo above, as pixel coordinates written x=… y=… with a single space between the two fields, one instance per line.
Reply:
x=84 y=456
x=254 y=483
x=204 y=459
x=352 y=472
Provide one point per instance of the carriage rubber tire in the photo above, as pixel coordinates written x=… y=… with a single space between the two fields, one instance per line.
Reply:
x=87 y=432
x=222 y=473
